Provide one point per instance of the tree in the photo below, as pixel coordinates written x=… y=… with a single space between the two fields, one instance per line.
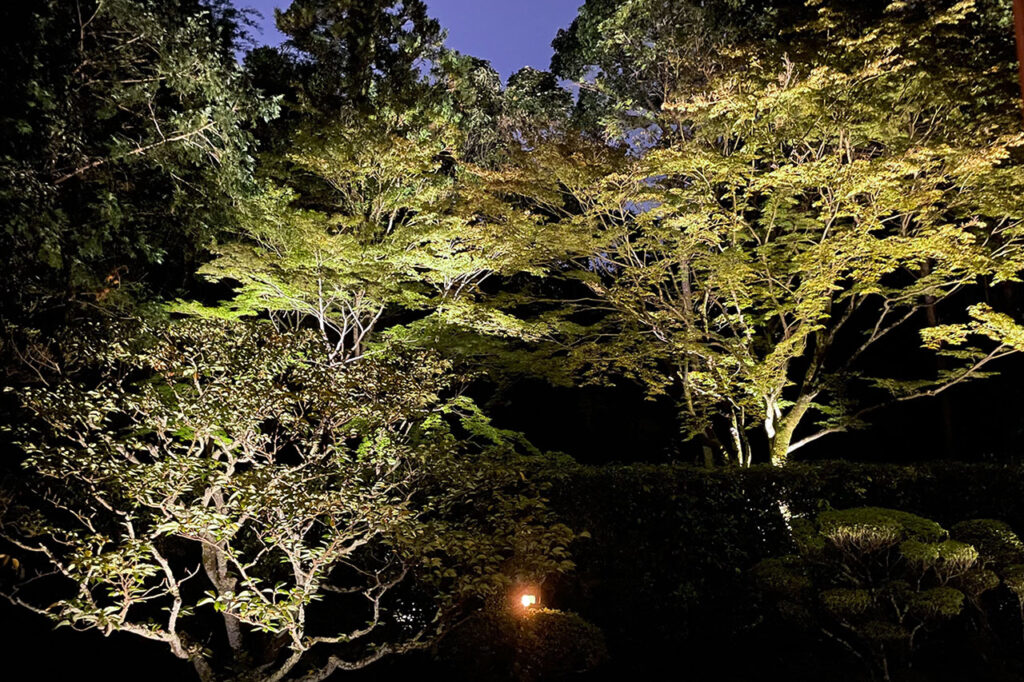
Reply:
x=361 y=52
x=629 y=58
x=264 y=511
x=536 y=105
x=379 y=223
x=389 y=206
x=469 y=94
x=124 y=143
x=493 y=122
x=806 y=212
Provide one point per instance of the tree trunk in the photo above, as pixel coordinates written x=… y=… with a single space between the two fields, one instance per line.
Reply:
x=780 y=433
x=215 y=566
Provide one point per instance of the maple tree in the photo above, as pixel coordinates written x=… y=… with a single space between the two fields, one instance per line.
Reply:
x=802 y=212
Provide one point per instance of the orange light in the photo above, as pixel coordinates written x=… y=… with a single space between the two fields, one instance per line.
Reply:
x=528 y=600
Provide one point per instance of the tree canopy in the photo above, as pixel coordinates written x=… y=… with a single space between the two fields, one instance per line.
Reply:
x=125 y=142
x=803 y=211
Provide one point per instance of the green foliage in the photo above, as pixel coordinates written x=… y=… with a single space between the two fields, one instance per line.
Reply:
x=361 y=51
x=493 y=123
x=876 y=526
x=994 y=539
x=371 y=224
x=197 y=470
x=878 y=580
x=124 y=142
x=999 y=328
x=535 y=104
x=807 y=206
x=631 y=57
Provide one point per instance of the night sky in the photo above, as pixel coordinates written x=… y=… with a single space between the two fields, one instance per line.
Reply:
x=510 y=34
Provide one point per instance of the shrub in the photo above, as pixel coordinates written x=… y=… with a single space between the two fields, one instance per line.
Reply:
x=878 y=580
x=541 y=644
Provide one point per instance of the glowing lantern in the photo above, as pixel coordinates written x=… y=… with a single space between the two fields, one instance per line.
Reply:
x=528 y=600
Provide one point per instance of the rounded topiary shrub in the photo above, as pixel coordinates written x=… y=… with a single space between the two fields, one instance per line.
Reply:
x=881 y=581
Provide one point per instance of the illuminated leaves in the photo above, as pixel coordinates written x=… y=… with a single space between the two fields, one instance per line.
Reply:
x=242 y=461
x=800 y=208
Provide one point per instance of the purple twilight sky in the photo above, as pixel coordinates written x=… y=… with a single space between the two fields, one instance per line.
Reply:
x=510 y=34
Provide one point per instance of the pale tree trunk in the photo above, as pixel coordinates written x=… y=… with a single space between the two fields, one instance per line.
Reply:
x=780 y=428
x=780 y=431
x=743 y=454
x=215 y=565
